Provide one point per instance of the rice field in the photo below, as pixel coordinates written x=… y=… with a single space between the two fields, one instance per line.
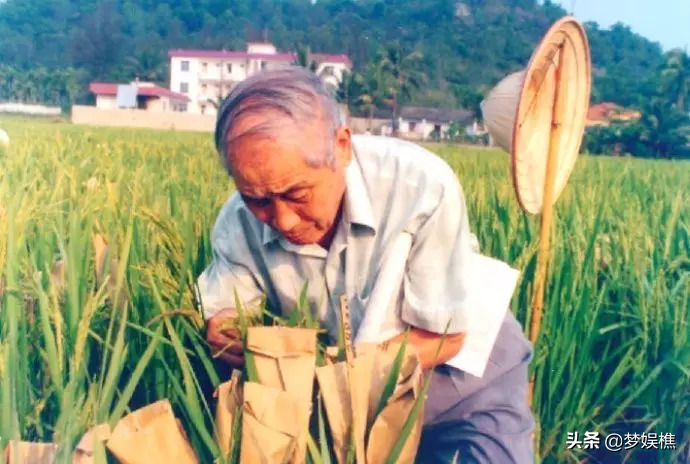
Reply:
x=103 y=232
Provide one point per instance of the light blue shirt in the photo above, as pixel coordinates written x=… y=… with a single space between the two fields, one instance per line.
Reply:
x=403 y=255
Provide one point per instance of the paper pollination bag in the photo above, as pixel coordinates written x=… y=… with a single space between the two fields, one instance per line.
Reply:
x=339 y=404
x=22 y=452
x=91 y=447
x=285 y=358
x=387 y=426
x=375 y=434
x=273 y=426
x=151 y=435
x=285 y=361
x=229 y=406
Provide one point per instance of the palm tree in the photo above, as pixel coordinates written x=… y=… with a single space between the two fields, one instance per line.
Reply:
x=375 y=92
x=147 y=65
x=676 y=74
x=304 y=58
x=404 y=72
x=664 y=128
x=350 y=88
x=7 y=76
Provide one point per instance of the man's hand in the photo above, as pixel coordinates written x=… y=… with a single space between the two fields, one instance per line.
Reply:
x=427 y=345
x=225 y=342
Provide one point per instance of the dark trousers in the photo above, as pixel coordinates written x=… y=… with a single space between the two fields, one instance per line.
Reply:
x=482 y=420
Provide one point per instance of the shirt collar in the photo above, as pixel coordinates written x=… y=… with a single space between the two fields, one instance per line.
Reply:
x=357 y=206
x=270 y=234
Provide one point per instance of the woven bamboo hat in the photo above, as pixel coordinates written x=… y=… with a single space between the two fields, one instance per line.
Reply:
x=542 y=110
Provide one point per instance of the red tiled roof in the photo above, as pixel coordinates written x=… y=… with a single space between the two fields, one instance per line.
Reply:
x=223 y=54
x=103 y=88
x=107 y=88
x=601 y=111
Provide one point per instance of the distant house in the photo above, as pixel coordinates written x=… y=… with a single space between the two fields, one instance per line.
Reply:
x=420 y=123
x=149 y=96
x=602 y=114
x=207 y=76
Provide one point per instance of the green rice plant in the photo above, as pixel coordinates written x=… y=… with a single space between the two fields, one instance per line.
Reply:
x=393 y=375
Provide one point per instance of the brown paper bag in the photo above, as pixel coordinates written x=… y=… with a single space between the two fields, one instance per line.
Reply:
x=229 y=396
x=334 y=385
x=272 y=424
x=85 y=452
x=387 y=427
x=151 y=435
x=285 y=358
x=22 y=452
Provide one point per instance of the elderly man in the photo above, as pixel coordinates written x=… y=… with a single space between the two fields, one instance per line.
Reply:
x=382 y=221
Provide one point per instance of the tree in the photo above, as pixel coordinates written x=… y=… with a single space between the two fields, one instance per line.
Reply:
x=664 y=128
x=98 y=44
x=676 y=78
x=350 y=88
x=405 y=74
x=374 y=91
x=303 y=58
x=147 y=64
x=470 y=98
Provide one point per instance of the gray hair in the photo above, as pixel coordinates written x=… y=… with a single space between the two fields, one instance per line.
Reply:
x=293 y=92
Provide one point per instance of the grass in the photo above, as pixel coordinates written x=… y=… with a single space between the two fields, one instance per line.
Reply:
x=78 y=350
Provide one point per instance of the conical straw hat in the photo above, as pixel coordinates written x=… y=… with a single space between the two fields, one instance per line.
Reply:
x=519 y=112
x=500 y=107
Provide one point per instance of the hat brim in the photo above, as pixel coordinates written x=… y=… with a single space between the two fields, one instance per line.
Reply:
x=562 y=59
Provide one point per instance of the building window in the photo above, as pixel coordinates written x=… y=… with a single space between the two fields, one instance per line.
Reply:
x=412 y=126
x=203 y=109
x=204 y=87
x=184 y=66
x=183 y=107
x=229 y=67
x=263 y=65
x=204 y=66
x=184 y=87
x=328 y=71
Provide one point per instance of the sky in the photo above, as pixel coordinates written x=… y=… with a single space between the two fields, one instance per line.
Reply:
x=663 y=21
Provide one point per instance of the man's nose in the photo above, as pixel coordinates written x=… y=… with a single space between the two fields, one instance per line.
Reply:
x=284 y=219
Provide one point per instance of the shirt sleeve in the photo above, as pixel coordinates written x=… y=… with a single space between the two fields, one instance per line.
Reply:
x=437 y=287
x=230 y=271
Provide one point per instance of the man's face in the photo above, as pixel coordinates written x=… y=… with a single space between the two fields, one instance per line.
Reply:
x=300 y=201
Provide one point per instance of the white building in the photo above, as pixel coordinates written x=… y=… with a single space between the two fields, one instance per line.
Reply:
x=207 y=76
x=149 y=96
x=419 y=123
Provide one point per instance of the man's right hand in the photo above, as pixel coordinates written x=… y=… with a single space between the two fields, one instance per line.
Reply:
x=225 y=342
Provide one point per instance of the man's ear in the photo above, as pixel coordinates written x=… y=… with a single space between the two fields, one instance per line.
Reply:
x=343 y=146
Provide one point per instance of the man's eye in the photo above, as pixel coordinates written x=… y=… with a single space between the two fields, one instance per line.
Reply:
x=299 y=195
x=258 y=202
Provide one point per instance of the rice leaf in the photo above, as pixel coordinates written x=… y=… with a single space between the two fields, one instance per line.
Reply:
x=234 y=456
x=416 y=408
x=393 y=375
x=249 y=363
x=323 y=442
x=314 y=454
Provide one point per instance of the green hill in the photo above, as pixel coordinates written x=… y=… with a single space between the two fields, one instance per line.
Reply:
x=466 y=46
